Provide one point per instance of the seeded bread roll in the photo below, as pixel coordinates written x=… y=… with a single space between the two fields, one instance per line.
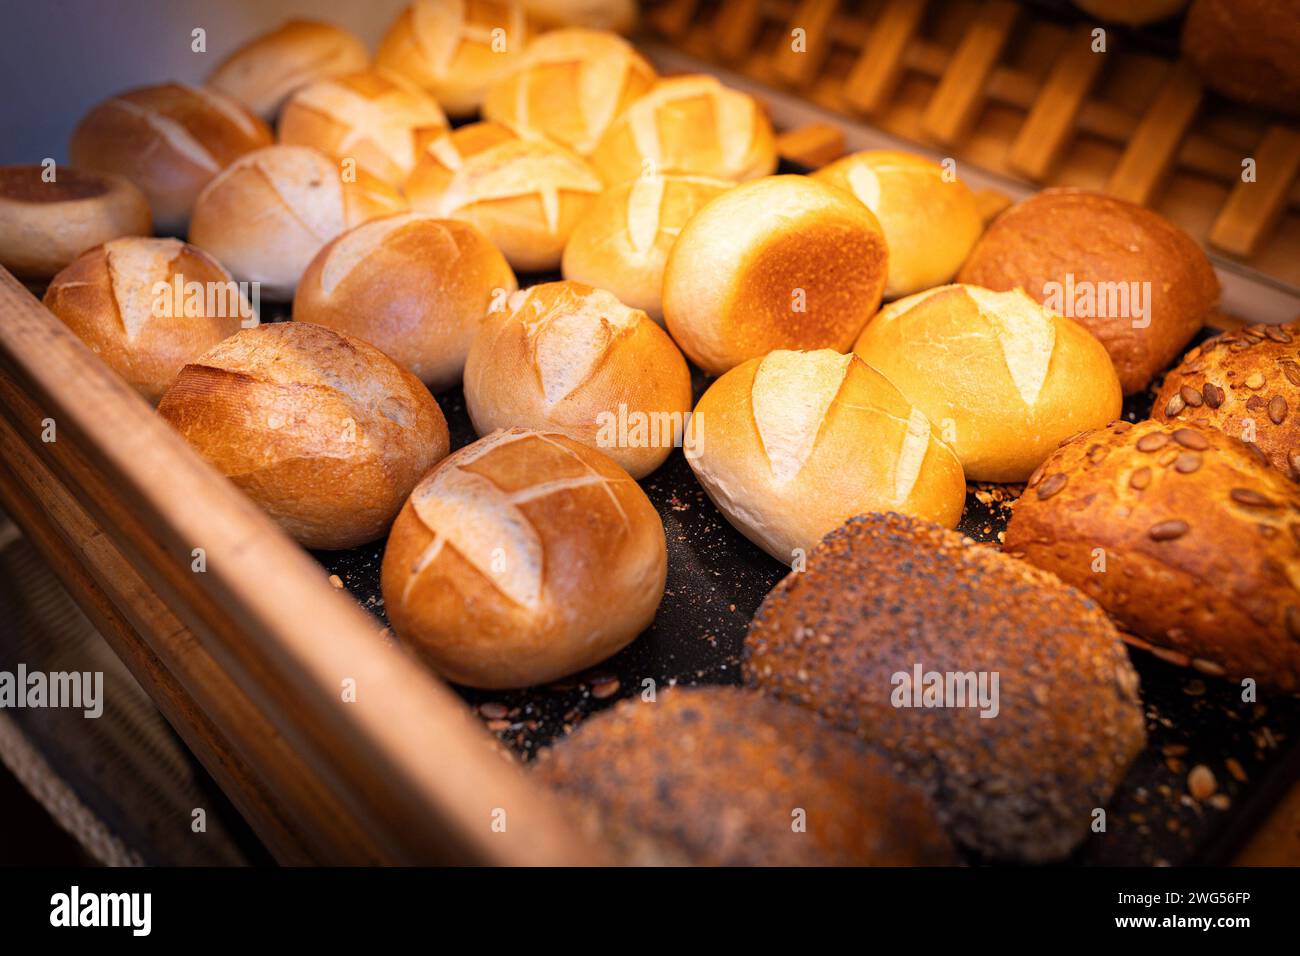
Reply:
x=45 y=225
x=1245 y=383
x=1087 y=257
x=1199 y=542
x=673 y=781
x=780 y=263
x=1248 y=50
x=1003 y=379
x=489 y=569
x=564 y=357
x=326 y=433
x=791 y=445
x=267 y=70
x=268 y=214
x=885 y=595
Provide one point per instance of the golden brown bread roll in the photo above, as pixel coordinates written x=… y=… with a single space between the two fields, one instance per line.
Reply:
x=415 y=287
x=673 y=781
x=488 y=570
x=1128 y=275
x=564 y=357
x=170 y=140
x=326 y=433
x=1182 y=535
x=780 y=263
x=1248 y=50
x=889 y=602
x=45 y=225
x=1003 y=379
x=791 y=445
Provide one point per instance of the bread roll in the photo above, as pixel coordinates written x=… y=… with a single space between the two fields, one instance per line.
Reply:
x=617 y=15
x=564 y=357
x=930 y=220
x=326 y=433
x=889 y=603
x=1132 y=12
x=525 y=194
x=569 y=87
x=1003 y=379
x=170 y=140
x=489 y=569
x=455 y=49
x=267 y=70
x=692 y=125
x=1183 y=536
x=413 y=286
x=112 y=299
x=1131 y=277
x=622 y=242
x=379 y=120
x=791 y=445
x=782 y=263
x=270 y=212
x=45 y=225
x=676 y=781
x=1248 y=50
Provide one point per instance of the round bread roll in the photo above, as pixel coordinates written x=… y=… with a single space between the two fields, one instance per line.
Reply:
x=1039 y=715
x=930 y=221
x=782 y=263
x=1248 y=50
x=1131 y=277
x=268 y=214
x=1245 y=383
x=455 y=49
x=1199 y=544
x=692 y=125
x=790 y=445
x=379 y=120
x=525 y=194
x=110 y=297
x=170 y=140
x=564 y=357
x=622 y=242
x=413 y=286
x=569 y=87
x=1132 y=12
x=673 y=781
x=489 y=569
x=45 y=225
x=617 y=15
x=326 y=433
x=266 y=71
x=1003 y=379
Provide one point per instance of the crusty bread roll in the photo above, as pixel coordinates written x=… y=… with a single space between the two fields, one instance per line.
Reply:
x=323 y=431
x=271 y=211
x=1096 y=259
x=617 y=15
x=379 y=120
x=489 y=569
x=1248 y=50
x=930 y=219
x=45 y=225
x=887 y=603
x=716 y=776
x=112 y=299
x=413 y=286
x=688 y=124
x=525 y=194
x=784 y=262
x=267 y=70
x=455 y=49
x=1183 y=536
x=790 y=445
x=1003 y=379
x=1132 y=12
x=564 y=357
x=569 y=87
x=170 y=140
x=1245 y=383
x=621 y=243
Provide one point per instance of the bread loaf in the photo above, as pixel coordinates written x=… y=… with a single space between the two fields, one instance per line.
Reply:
x=1248 y=50
x=489 y=568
